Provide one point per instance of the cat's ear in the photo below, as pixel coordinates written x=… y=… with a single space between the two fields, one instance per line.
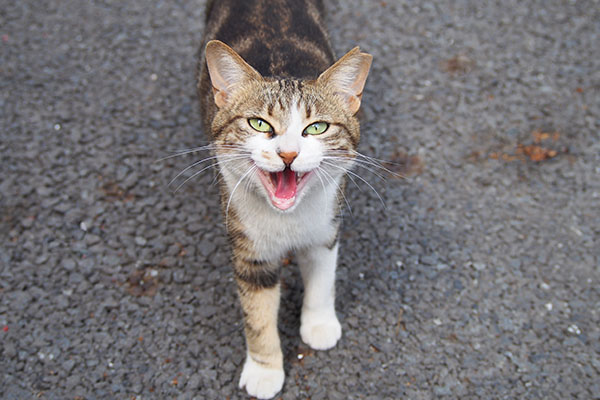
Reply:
x=348 y=76
x=226 y=70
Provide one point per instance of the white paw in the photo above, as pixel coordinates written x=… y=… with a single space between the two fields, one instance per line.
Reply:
x=318 y=331
x=261 y=382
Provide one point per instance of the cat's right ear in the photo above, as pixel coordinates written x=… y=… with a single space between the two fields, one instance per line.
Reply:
x=226 y=70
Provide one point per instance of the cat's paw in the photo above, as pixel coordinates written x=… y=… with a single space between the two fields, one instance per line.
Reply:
x=259 y=381
x=319 y=332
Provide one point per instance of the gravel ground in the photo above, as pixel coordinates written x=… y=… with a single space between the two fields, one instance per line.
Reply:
x=477 y=280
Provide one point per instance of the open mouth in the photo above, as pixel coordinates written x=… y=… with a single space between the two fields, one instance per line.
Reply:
x=283 y=186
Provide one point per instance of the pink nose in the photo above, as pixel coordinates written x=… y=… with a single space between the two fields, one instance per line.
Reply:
x=288 y=156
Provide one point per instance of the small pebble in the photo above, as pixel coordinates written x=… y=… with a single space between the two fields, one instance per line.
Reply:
x=574 y=329
x=479 y=266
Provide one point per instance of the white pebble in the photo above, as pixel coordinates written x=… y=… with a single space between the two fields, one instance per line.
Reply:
x=576 y=231
x=548 y=306
x=83 y=226
x=479 y=266
x=574 y=329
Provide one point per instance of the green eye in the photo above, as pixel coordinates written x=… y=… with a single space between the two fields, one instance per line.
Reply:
x=260 y=125
x=316 y=129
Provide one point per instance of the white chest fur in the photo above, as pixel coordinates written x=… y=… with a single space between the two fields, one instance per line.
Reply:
x=274 y=232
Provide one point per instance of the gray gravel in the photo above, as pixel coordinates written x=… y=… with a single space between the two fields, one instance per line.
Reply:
x=479 y=278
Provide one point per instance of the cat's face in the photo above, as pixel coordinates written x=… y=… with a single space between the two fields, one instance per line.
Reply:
x=283 y=139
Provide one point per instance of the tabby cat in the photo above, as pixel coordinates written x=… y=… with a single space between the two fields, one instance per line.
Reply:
x=284 y=132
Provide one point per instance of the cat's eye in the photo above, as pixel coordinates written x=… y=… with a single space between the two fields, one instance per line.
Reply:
x=260 y=125
x=316 y=129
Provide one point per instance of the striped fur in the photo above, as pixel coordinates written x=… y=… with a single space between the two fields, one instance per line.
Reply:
x=271 y=59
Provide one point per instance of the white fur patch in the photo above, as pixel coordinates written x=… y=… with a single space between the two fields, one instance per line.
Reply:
x=261 y=382
x=319 y=326
x=290 y=140
x=319 y=330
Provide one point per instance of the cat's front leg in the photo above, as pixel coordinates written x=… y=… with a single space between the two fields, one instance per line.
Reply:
x=319 y=326
x=259 y=292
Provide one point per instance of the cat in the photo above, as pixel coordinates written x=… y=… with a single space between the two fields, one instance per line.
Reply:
x=280 y=112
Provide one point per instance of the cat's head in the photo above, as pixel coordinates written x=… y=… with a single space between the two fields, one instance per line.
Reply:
x=283 y=138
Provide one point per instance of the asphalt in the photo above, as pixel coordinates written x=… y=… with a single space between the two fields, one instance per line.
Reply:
x=477 y=278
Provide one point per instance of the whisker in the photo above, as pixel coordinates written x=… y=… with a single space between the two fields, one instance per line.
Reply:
x=371 y=161
x=252 y=169
x=190 y=167
x=332 y=180
x=194 y=175
x=184 y=152
x=359 y=177
x=379 y=163
x=318 y=172
x=210 y=147
x=203 y=169
x=349 y=176
x=247 y=189
x=362 y=164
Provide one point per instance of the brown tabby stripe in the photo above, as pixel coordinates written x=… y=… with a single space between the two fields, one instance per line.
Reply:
x=258 y=274
x=219 y=130
x=354 y=138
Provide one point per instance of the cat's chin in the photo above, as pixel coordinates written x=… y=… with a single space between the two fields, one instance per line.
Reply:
x=284 y=187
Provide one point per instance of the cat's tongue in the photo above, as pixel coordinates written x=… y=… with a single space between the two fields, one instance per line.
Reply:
x=285 y=184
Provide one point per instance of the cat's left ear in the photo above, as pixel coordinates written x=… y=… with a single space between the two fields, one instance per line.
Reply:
x=227 y=70
x=348 y=76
